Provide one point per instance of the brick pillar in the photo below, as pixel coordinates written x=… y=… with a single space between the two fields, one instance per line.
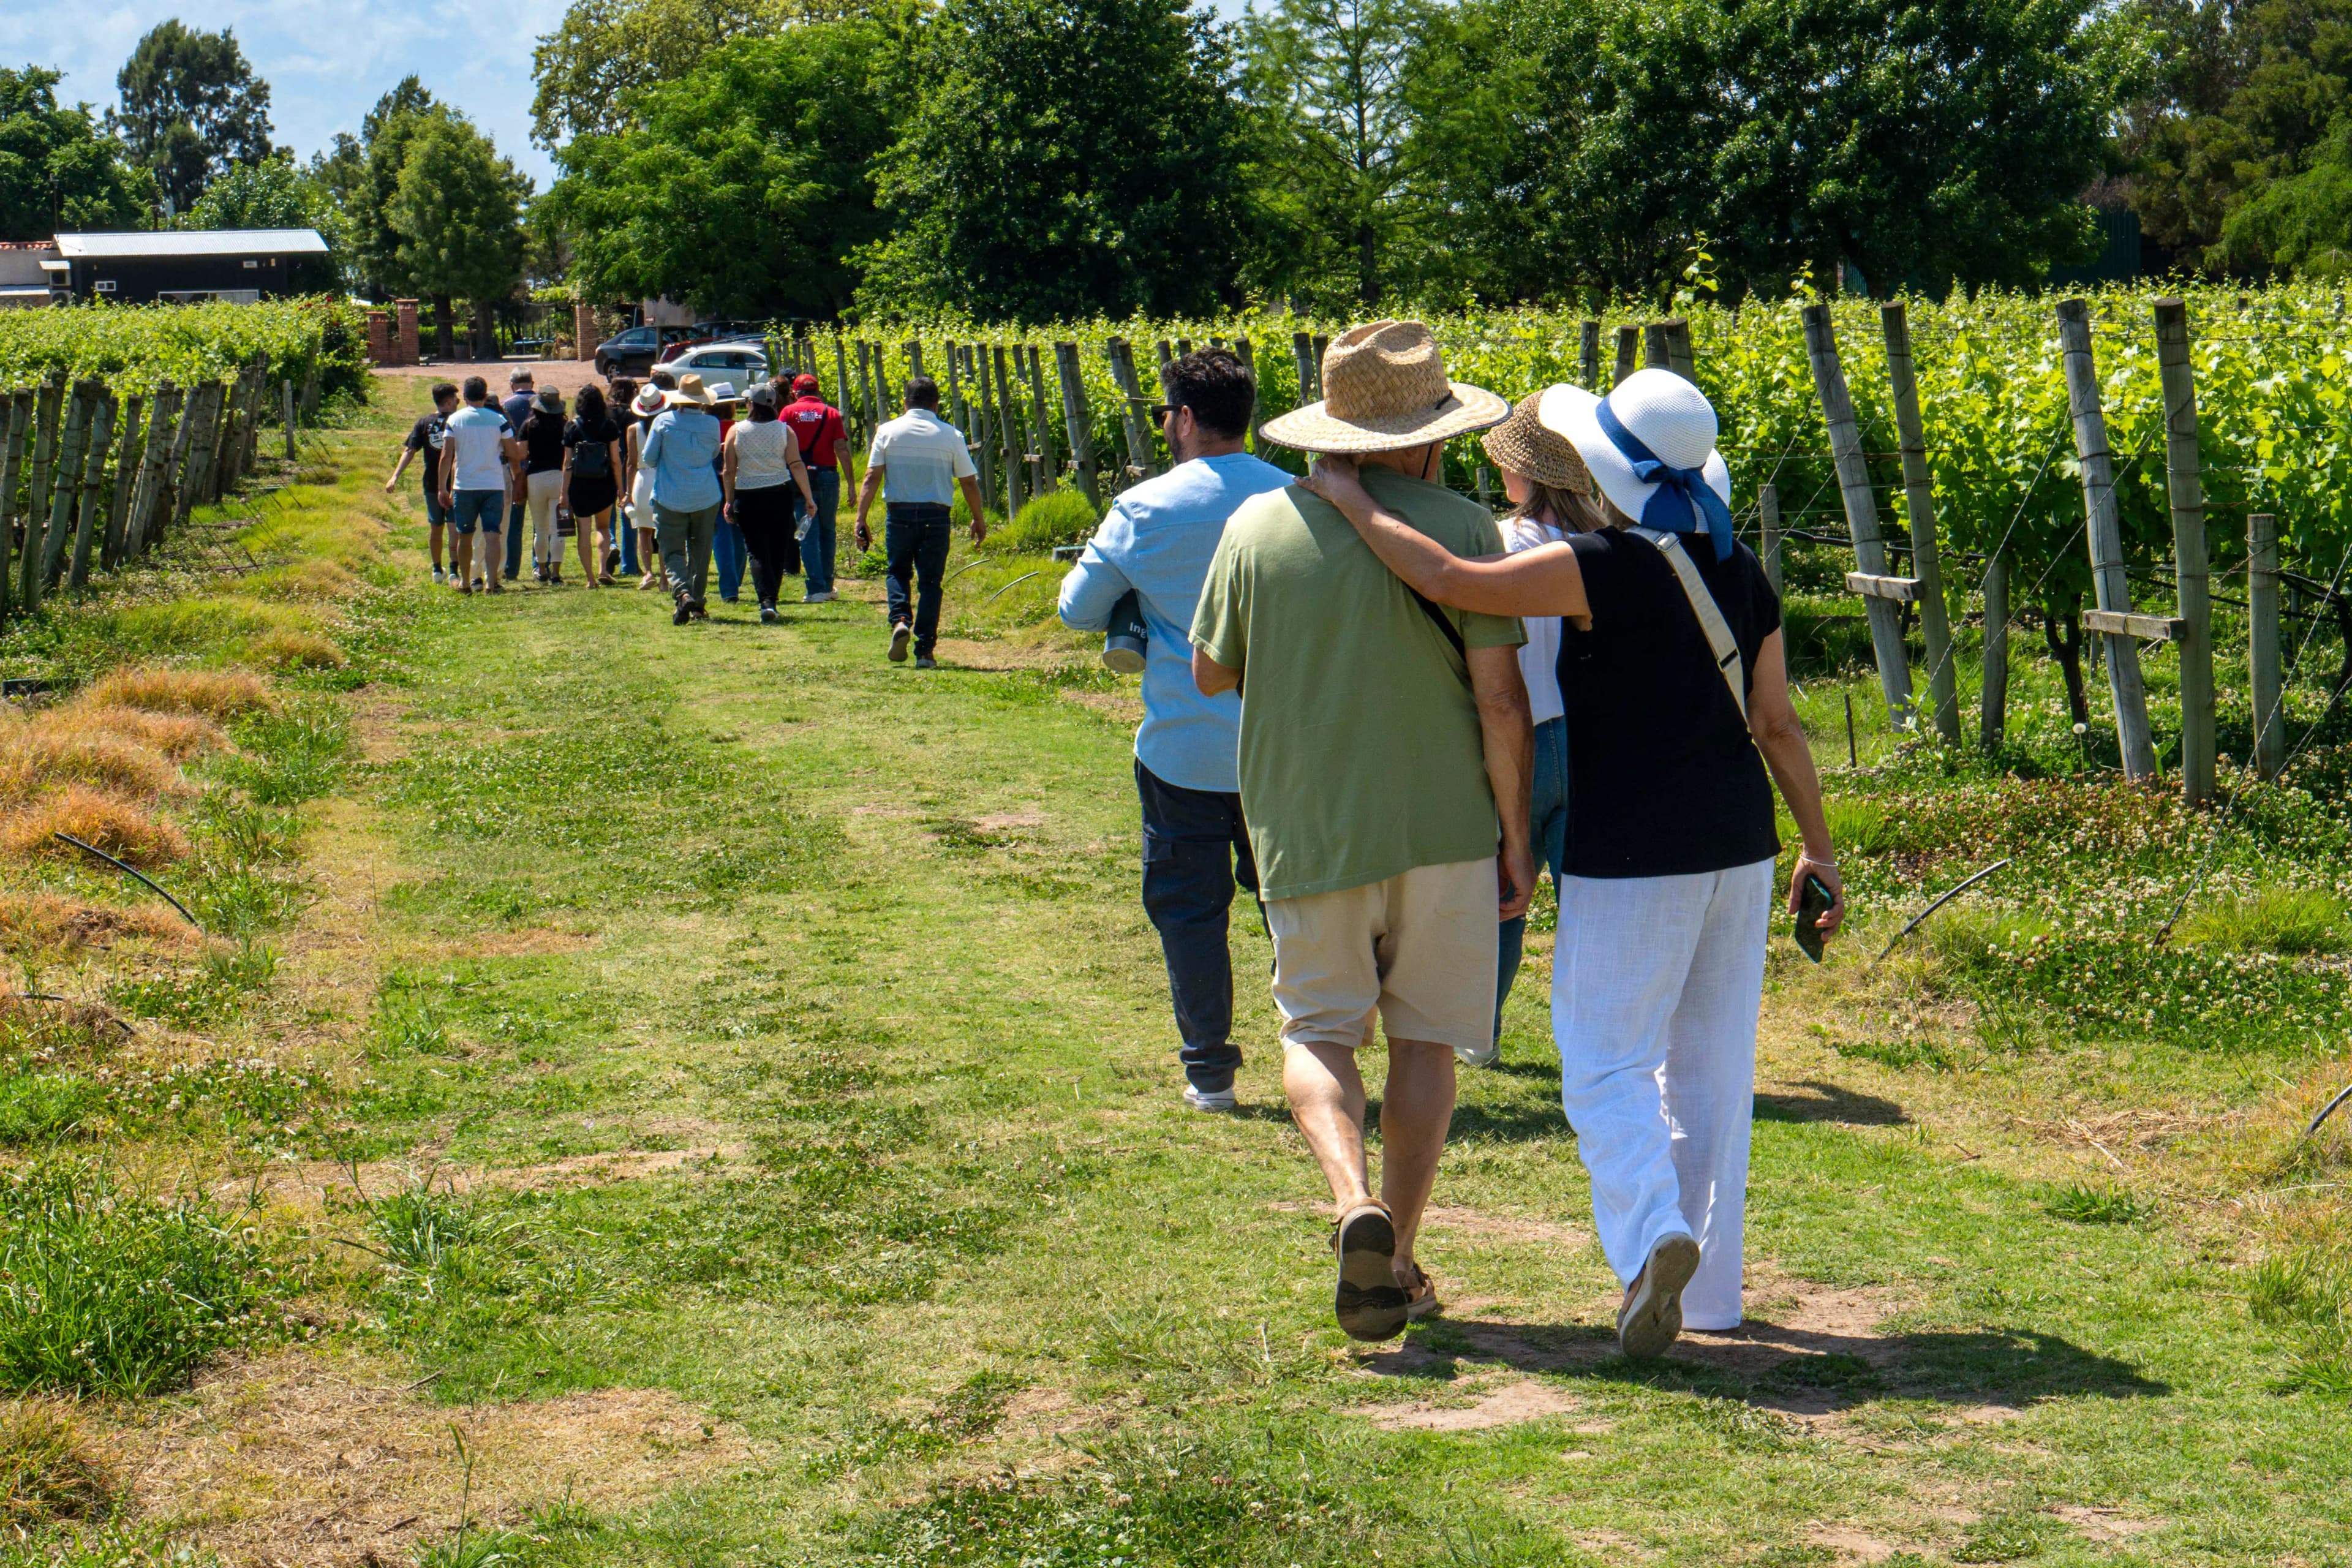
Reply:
x=380 y=338
x=410 y=348
x=583 y=331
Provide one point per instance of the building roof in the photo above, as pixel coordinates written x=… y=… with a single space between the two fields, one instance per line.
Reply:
x=191 y=242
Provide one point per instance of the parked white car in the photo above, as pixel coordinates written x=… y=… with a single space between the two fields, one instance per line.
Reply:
x=745 y=365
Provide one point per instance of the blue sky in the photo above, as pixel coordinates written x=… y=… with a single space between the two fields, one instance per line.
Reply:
x=325 y=61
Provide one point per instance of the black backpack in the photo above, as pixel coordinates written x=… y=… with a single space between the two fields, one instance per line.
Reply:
x=590 y=459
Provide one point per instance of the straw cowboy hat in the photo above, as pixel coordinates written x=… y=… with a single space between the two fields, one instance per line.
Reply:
x=1385 y=390
x=1650 y=445
x=689 y=391
x=1523 y=445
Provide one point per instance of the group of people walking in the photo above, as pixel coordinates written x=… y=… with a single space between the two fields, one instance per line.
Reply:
x=1381 y=711
x=659 y=481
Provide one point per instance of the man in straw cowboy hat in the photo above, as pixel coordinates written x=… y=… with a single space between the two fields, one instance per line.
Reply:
x=681 y=452
x=1381 y=739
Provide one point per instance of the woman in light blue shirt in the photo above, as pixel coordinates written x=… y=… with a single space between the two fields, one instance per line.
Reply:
x=681 y=451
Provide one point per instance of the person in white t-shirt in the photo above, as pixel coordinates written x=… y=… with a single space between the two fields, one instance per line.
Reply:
x=923 y=460
x=1551 y=496
x=478 y=455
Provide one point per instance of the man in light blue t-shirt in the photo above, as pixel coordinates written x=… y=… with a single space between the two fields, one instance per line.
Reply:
x=1157 y=544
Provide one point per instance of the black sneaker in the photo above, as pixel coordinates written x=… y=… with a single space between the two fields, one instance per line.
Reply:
x=683 y=613
x=768 y=615
x=700 y=614
x=901 y=634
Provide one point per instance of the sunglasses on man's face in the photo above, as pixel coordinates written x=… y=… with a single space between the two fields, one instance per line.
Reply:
x=1161 y=411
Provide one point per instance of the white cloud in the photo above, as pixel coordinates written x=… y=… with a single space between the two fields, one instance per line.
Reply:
x=327 y=62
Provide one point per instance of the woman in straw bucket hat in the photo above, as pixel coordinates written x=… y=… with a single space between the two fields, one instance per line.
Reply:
x=1676 y=694
x=682 y=450
x=1552 y=497
x=1382 y=764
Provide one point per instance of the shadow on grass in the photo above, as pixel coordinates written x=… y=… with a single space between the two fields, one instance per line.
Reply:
x=1781 y=1367
x=1823 y=1101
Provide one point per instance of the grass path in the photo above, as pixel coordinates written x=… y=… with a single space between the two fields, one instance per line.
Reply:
x=761 y=1055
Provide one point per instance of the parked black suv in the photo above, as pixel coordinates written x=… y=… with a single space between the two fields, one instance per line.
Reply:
x=632 y=352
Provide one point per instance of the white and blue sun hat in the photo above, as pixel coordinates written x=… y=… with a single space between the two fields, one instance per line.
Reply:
x=1650 y=444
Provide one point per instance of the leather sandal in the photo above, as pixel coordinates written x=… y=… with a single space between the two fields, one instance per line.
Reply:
x=1367 y=1301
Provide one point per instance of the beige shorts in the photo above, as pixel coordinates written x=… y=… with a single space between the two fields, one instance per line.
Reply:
x=1418 y=948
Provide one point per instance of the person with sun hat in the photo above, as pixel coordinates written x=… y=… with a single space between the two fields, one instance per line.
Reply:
x=1675 y=690
x=1383 y=767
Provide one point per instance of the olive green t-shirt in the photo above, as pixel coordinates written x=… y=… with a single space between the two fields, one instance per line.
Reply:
x=1361 y=752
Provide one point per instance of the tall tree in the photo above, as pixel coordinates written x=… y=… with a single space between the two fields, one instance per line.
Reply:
x=1348 y=148
x=457 y=209
x=57 y=171
x=603 y=51
x=773 y=137
x=366 y=172
x=190 y=107
x=1066 y=157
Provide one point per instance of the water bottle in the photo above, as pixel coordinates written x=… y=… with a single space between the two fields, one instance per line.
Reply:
x=1124 y=646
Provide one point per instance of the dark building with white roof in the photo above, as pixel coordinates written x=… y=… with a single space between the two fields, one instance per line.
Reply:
x=240 y=265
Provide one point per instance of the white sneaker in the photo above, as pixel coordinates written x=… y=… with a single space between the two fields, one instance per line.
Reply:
x=823 y=596
x=1484 y=1056
x=440 y=576
x=1220 y=1099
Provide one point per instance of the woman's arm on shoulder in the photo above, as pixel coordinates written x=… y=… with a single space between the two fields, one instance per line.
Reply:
x=1545 y=581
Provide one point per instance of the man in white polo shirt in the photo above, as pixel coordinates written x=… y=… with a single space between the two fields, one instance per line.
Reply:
x=918 y=462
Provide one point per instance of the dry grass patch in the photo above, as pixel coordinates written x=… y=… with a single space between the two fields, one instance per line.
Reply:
x=37 y=921
x=40 y=756
x=123 y=830
x=178 y=736
x=219 y=694
x=46 y=1473
x=295 y=650
x=298 y=1458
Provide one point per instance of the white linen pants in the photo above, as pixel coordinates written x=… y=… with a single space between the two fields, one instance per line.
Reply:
x=542 y=489
x=1655 y=985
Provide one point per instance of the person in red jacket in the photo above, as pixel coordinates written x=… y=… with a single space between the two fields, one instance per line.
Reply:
x=817 y=426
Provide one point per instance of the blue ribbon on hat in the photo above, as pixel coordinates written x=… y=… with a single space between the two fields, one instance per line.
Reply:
x=1683 y=500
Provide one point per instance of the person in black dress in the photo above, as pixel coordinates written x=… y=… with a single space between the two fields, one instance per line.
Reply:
x=591 y=468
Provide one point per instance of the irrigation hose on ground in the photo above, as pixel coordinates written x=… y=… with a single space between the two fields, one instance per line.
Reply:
x=133 y=871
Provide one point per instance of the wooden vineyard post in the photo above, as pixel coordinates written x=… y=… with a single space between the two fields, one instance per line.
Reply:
x=1679 y=358
x=866 y=389
x=913 y=350
x=1008 y=423
x=196 y=448
x=1249 y=363
x=2262 y=643
x=46 y=410
x=983 y=437
x=1629 y=340
x=2184 y=485
x=1920 y=510
x=1992 y=703
x=1302 y=356
x=1654 y=353
x=20 y=420
x=1587 y=354
x=256 y=403
x=1048 y=471
x=310 y=394
x=162 y=429
x=1079 y=420
x=1167 y=353
x=65 y=485
x=128 y=456
x=1321 y=344
x=1861 y=509
x=841 y=386
x=171 y=491
x=1143 y=454
x=1767 y=515
x=2104 y=532
x=285 y=401
x=87 y=529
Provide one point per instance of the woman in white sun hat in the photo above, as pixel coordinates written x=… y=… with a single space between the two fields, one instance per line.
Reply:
x=1677 y=697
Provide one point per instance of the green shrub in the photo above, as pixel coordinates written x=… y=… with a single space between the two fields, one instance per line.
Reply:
x=2271 y=919
x=107 y=1290
x=1056 y=517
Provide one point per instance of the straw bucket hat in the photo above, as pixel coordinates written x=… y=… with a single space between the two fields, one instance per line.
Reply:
x=689 y=391
x=1385 y=390
x=1525 y=445
x=1666 y=430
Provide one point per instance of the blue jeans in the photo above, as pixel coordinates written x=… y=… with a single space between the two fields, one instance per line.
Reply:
x=628 y=531
x=816 y=550
x=1547 y=832
x=472 y=510
x=1195 y=848
x=915 y=534
x=727 y=549
x=518 y=514
x=434 y=512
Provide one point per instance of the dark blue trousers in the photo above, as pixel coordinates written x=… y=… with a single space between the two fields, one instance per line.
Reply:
x=1195 y=848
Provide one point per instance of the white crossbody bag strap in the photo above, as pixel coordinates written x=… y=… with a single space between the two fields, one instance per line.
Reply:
x=1728 y=661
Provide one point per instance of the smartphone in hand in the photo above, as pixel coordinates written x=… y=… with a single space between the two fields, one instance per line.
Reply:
x=1812 y=905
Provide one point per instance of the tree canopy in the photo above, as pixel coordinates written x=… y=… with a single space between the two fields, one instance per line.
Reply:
x=742 y=185
x=57 y=169
x=456 y=210
x=1065 y=157
x=604 y=51
x=192 y=107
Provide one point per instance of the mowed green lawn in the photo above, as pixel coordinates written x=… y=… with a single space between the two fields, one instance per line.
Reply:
x=843 y=966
